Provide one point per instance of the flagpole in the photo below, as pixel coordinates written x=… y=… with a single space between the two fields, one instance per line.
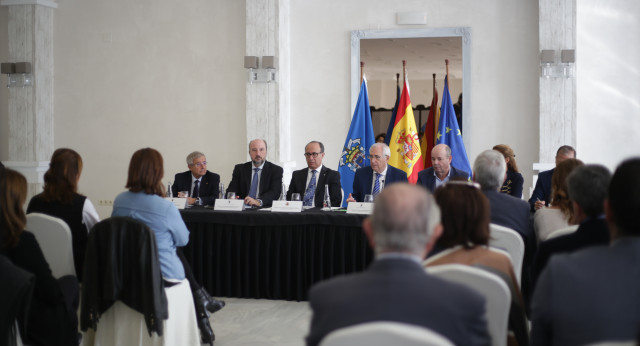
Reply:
x=435 y=111
x=361 y=71
x=446 y=62
x=398 y=80
x=404 y=70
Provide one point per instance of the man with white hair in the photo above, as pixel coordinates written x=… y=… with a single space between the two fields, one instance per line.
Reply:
x=403 y=228
x=202 y=186
x=370 y=180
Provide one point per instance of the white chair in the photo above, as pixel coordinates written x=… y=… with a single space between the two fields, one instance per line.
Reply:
x=510 y=241
x=54 y=237
x=492 y=287
x=562 y=231
x=384 y=334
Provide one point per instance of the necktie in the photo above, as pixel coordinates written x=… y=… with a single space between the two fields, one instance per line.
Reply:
x=376 y=185
x=196 y=190
x=308 y=193
x=253 y=191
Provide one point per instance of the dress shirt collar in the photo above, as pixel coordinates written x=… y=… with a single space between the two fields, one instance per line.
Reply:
x=317 y=171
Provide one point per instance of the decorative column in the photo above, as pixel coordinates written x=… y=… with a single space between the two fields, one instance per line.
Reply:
x=30 y=140
x=268 y=104
x=557 y=20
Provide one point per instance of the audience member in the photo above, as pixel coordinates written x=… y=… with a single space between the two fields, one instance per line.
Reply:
x=258 y=181
x=465 y=240
x=60 y=199
x=52 y=316
x=144 y=202
x=559 y=214
x=588 y=187
x=380 y=137
x=203 y=186
x=541 y=195
x=309 y=182
x=457 y=108
x=441 y=170
x=402 y=229
x=364 y=181
x=514 y=181
x=591 y=295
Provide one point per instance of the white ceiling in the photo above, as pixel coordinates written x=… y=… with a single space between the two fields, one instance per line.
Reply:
x=424 y=56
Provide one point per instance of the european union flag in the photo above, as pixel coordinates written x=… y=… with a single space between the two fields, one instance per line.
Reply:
x=355 y=153
x=449 y=132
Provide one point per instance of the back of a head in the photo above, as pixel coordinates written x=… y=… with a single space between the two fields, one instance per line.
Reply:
x=489 y=170
x=61 y=179
x=13 y=192
x=465 y=214
x=146 y=170
x=588 y=186
x=623 y=198
x=403 y=219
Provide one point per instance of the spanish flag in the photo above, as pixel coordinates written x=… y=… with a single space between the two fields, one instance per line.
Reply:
x=404 y=142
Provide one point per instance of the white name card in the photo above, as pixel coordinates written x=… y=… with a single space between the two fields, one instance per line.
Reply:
x=359 y=208
x=286 y=206
x=229 y=204
x=180 y=203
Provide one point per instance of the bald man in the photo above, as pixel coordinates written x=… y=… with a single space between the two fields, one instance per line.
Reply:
x=441 y=169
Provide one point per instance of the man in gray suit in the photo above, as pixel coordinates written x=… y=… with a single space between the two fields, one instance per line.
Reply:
x=593 y=295
x=404 y=226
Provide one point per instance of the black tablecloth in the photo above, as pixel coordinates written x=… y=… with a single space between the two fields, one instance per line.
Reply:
x=260 y=254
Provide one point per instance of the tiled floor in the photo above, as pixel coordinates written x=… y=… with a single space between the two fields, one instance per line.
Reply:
x=257 y=322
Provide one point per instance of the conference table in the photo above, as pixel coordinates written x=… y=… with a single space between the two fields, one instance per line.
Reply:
x=262 y=254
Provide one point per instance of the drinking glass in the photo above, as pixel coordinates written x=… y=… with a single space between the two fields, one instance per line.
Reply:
x=368 y=198
x=231 y=195
x=183 y=194
x=295 y=196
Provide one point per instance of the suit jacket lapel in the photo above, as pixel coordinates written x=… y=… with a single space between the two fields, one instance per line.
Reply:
x=264 y=176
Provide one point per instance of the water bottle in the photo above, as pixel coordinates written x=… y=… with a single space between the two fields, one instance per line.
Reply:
x=326 y=205
x=169 y=193
x=221 y=193
x=283 y=194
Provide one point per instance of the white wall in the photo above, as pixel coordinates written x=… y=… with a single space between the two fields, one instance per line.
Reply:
x=608 y=72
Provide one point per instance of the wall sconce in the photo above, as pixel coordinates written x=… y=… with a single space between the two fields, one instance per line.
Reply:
x=18 y=74
x=549 y=68
x=266 y=74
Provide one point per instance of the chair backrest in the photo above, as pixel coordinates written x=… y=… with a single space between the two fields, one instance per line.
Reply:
x=562 y=231
x=54 y=237
x=492 y=287
x=510 y=241
x=385 y=333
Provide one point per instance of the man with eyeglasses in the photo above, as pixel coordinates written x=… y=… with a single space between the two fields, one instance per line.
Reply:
x=309 y=182
x=370 y=180
x=202 y=185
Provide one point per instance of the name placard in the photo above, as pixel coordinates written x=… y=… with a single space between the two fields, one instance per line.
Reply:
x=286 y=206
x=229 y=204
x=359 y=208
x=180 y=203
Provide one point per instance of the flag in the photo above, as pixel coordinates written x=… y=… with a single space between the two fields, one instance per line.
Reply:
x=449 y=132
x=428 y=139
x=355 y=153
x=392 y=122
x=404 y=142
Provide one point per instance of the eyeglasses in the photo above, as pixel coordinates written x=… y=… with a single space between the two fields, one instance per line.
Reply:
x=200 y=164
x=312 y=154
x=376 y=157
x=464 y=183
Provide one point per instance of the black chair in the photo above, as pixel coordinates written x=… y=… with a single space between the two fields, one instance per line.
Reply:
x=15 y=297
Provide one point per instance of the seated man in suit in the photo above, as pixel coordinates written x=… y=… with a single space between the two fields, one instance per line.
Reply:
x=402 y=229
x=309 y=182
x=366 y=183
x=441 y=170
x=489 y=170
x=202 y=186
x=541 y=195
x=588 y=187
x=258 y=181
x=591 y=295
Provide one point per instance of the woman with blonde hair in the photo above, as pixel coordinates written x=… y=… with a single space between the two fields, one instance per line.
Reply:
x=513 y=183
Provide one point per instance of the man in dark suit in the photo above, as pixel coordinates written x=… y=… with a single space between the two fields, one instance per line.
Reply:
x=364 y=181
x=441 y=170
x=489 y=170
x=202 y=186
x=403 y=227
x=309 y=182
x=258 y=181
x=541 y=195
x=587 y=187
x=591 y=295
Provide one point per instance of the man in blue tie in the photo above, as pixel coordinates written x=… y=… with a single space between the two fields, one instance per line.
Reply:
x=372 y=179
x=258 y=181
x=309 y=182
